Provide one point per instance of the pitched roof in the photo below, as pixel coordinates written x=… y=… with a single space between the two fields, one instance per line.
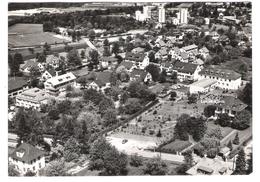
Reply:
x=184 y=5
x=51 y=71
x=30 y=64
x=102 y=78
x=204 y=49
x=184 y=55
x=15 y=83
x=30 y=153
x=62 y=79
x=190 y=47
x=126 y=64
x=185 y=67
x=138 y=74
x=138 y=57
x=232 y=103
x=222 y=73
x=163 y=52
x=161 y=43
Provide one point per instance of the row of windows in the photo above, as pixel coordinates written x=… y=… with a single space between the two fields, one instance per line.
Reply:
x=217 y=78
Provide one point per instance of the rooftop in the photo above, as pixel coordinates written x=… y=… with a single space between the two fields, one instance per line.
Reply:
x=184 y=5
x=139 y=57
x=204 y=83
x=61 y=79
x=33 y=95
x=138 y=74
x=211 y=166
x=222 y=73
x=190 y=47
x=15 y=83
x=28 y=152
x=185 y=67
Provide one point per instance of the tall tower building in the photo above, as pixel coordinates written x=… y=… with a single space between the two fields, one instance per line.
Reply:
x=184 y=15
x=147 y=11
x=161 y=14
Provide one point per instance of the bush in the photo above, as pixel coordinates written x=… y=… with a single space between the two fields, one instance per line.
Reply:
x=154 y=112
x=199 y=150
x=135 y=160
x=211 y=153
x=223 y=120
x=54 y=114
x=96 y=165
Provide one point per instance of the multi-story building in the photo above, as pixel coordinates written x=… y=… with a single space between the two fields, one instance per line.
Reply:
x=141 y=59
x=32 y=98
x=27 y=158
x=183 y=12
x=186 y=71
x=59 y=83
x=226 y=79
x=161 y=14
x=16 y=85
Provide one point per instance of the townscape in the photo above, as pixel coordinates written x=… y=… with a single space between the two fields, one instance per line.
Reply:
x=117 y=89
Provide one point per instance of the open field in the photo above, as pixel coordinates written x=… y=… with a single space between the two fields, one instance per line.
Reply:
x=21 y=28
x=175 y=146
x=27 y=40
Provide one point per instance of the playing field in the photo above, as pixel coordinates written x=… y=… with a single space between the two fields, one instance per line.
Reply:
x=22 y=28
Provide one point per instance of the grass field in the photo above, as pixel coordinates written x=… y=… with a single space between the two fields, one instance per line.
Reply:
x=21 y=28
x=175 y=146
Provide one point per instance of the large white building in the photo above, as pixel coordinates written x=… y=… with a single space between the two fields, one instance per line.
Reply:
x=59 y=83
x=146 y=14
x=27 y=158
x=202 y=86
x=32 y=98
x=183 y=12
x=161 y=14
x=226 y=79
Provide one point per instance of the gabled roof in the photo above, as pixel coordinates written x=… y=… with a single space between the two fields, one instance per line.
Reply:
x=126 y=64
x=163 y=52
x=61 y=79
x=102 y=78
x=177 y=50
x=15 y=83
x=204 y=49
x=138 y=50
x=184 y=55
x=51 y=71
x=161 y=43
x=30 y=153
x=190 y=47
x=232 y=103
x=138 y=57
x=30 y=64
x=51 y=59
x=138 y=74
x=185 y=67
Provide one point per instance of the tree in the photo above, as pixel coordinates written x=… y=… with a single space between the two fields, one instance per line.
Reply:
x=41 y=58
x=46 y=47
x=192 y=99
x=22 y=127
x=249 y=164
x=154 y=71
x=12 y=171
x=159 y=134
x=151 y=56
x=47 y=26
x=132 y=105
x=14 y=66
x=173 y=96
x=209 y=111
x=215 y=133
x=246 y=94
x=71 y=149
x=110 y=117
x=242 y=120
x=83 y=54
x=155 y=166
x=29 y=173
x=114 y=163
x=91 y=35
x=56 y=168
x=94 y=57
x=240 y=163
x=64 y=106
x=73 y=58
x=115 y=48
x=136 y=160
x=54 y=114
x=180 y=129
x=18 y=58
x=174 y=77
x=229 y=145
x=223 y=120
x=106 y=42
x=236 y=140
x=163 y=76
x=196 y=127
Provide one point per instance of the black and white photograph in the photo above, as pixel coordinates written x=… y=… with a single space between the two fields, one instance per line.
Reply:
x=129 y=88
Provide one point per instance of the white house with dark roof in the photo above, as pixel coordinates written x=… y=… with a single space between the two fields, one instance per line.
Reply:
x=226 y=79
x=140 y=75
x=190 y=49
x=26 y=68
x=27 y=158
x=32 y=98
x=141 y=59
x=49 y=73
x=186 y=71
x=58 y=84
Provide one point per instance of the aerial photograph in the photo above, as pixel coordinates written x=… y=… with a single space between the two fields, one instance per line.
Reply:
x=129 y=88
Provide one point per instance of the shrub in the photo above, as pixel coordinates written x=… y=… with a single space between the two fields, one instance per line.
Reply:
x=135 y=160
x=155 y=112
x=236 y=140
x=211 y=153
x=54 y=114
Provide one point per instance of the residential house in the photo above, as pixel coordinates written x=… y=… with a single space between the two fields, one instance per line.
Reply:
x=162 y=54
x=186 y=71
x=49 y=73
x=216 y=166
x=183 y=57
x=226 y=79
x=126 y=66
x=53 y=61
x=16 y=85
x=224 y=104
x=138 y=50
x=140 y=75
x=108 y=62
x=191 y=50
x=167 y=66
x=101 y=81
x=142 y=60
x=175 y=52
x=32 y=98
x=59 y=83
x=26 y=68
x=160 y=43
x=204 y=52
x=170 y=42
x=27 y=158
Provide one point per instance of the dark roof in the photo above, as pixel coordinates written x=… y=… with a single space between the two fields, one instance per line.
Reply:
x=15 y=83
x=30 y=63
x=51 y=71
x=185 y=67
x=205 y=169
x=81 y=72
x=30 y=153
x=126 y=64
x=222 y=73
x=139 y=57
x=102 y=78
x=232 y=103
x=138 y=74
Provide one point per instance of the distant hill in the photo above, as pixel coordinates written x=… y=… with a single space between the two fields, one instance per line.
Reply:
x=21 y=6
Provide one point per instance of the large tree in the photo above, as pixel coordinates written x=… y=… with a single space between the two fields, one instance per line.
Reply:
x=209 y=111
x=240 y=163
x=242 y=120
x=71 y=149
x=18 y=58
x=56 y=168
x=154 y=71
x=94 y=57
x=14 y=66
x=155 y=166
x=73 y=58
x=115 y=48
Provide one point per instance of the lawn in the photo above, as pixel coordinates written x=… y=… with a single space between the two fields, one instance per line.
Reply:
x=175 y=146
x=22 y=28
x=224 y=130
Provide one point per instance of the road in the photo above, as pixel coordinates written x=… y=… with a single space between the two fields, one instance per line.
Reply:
x=137 y=147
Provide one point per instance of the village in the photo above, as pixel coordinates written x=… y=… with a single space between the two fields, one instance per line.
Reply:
x=130 y=89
